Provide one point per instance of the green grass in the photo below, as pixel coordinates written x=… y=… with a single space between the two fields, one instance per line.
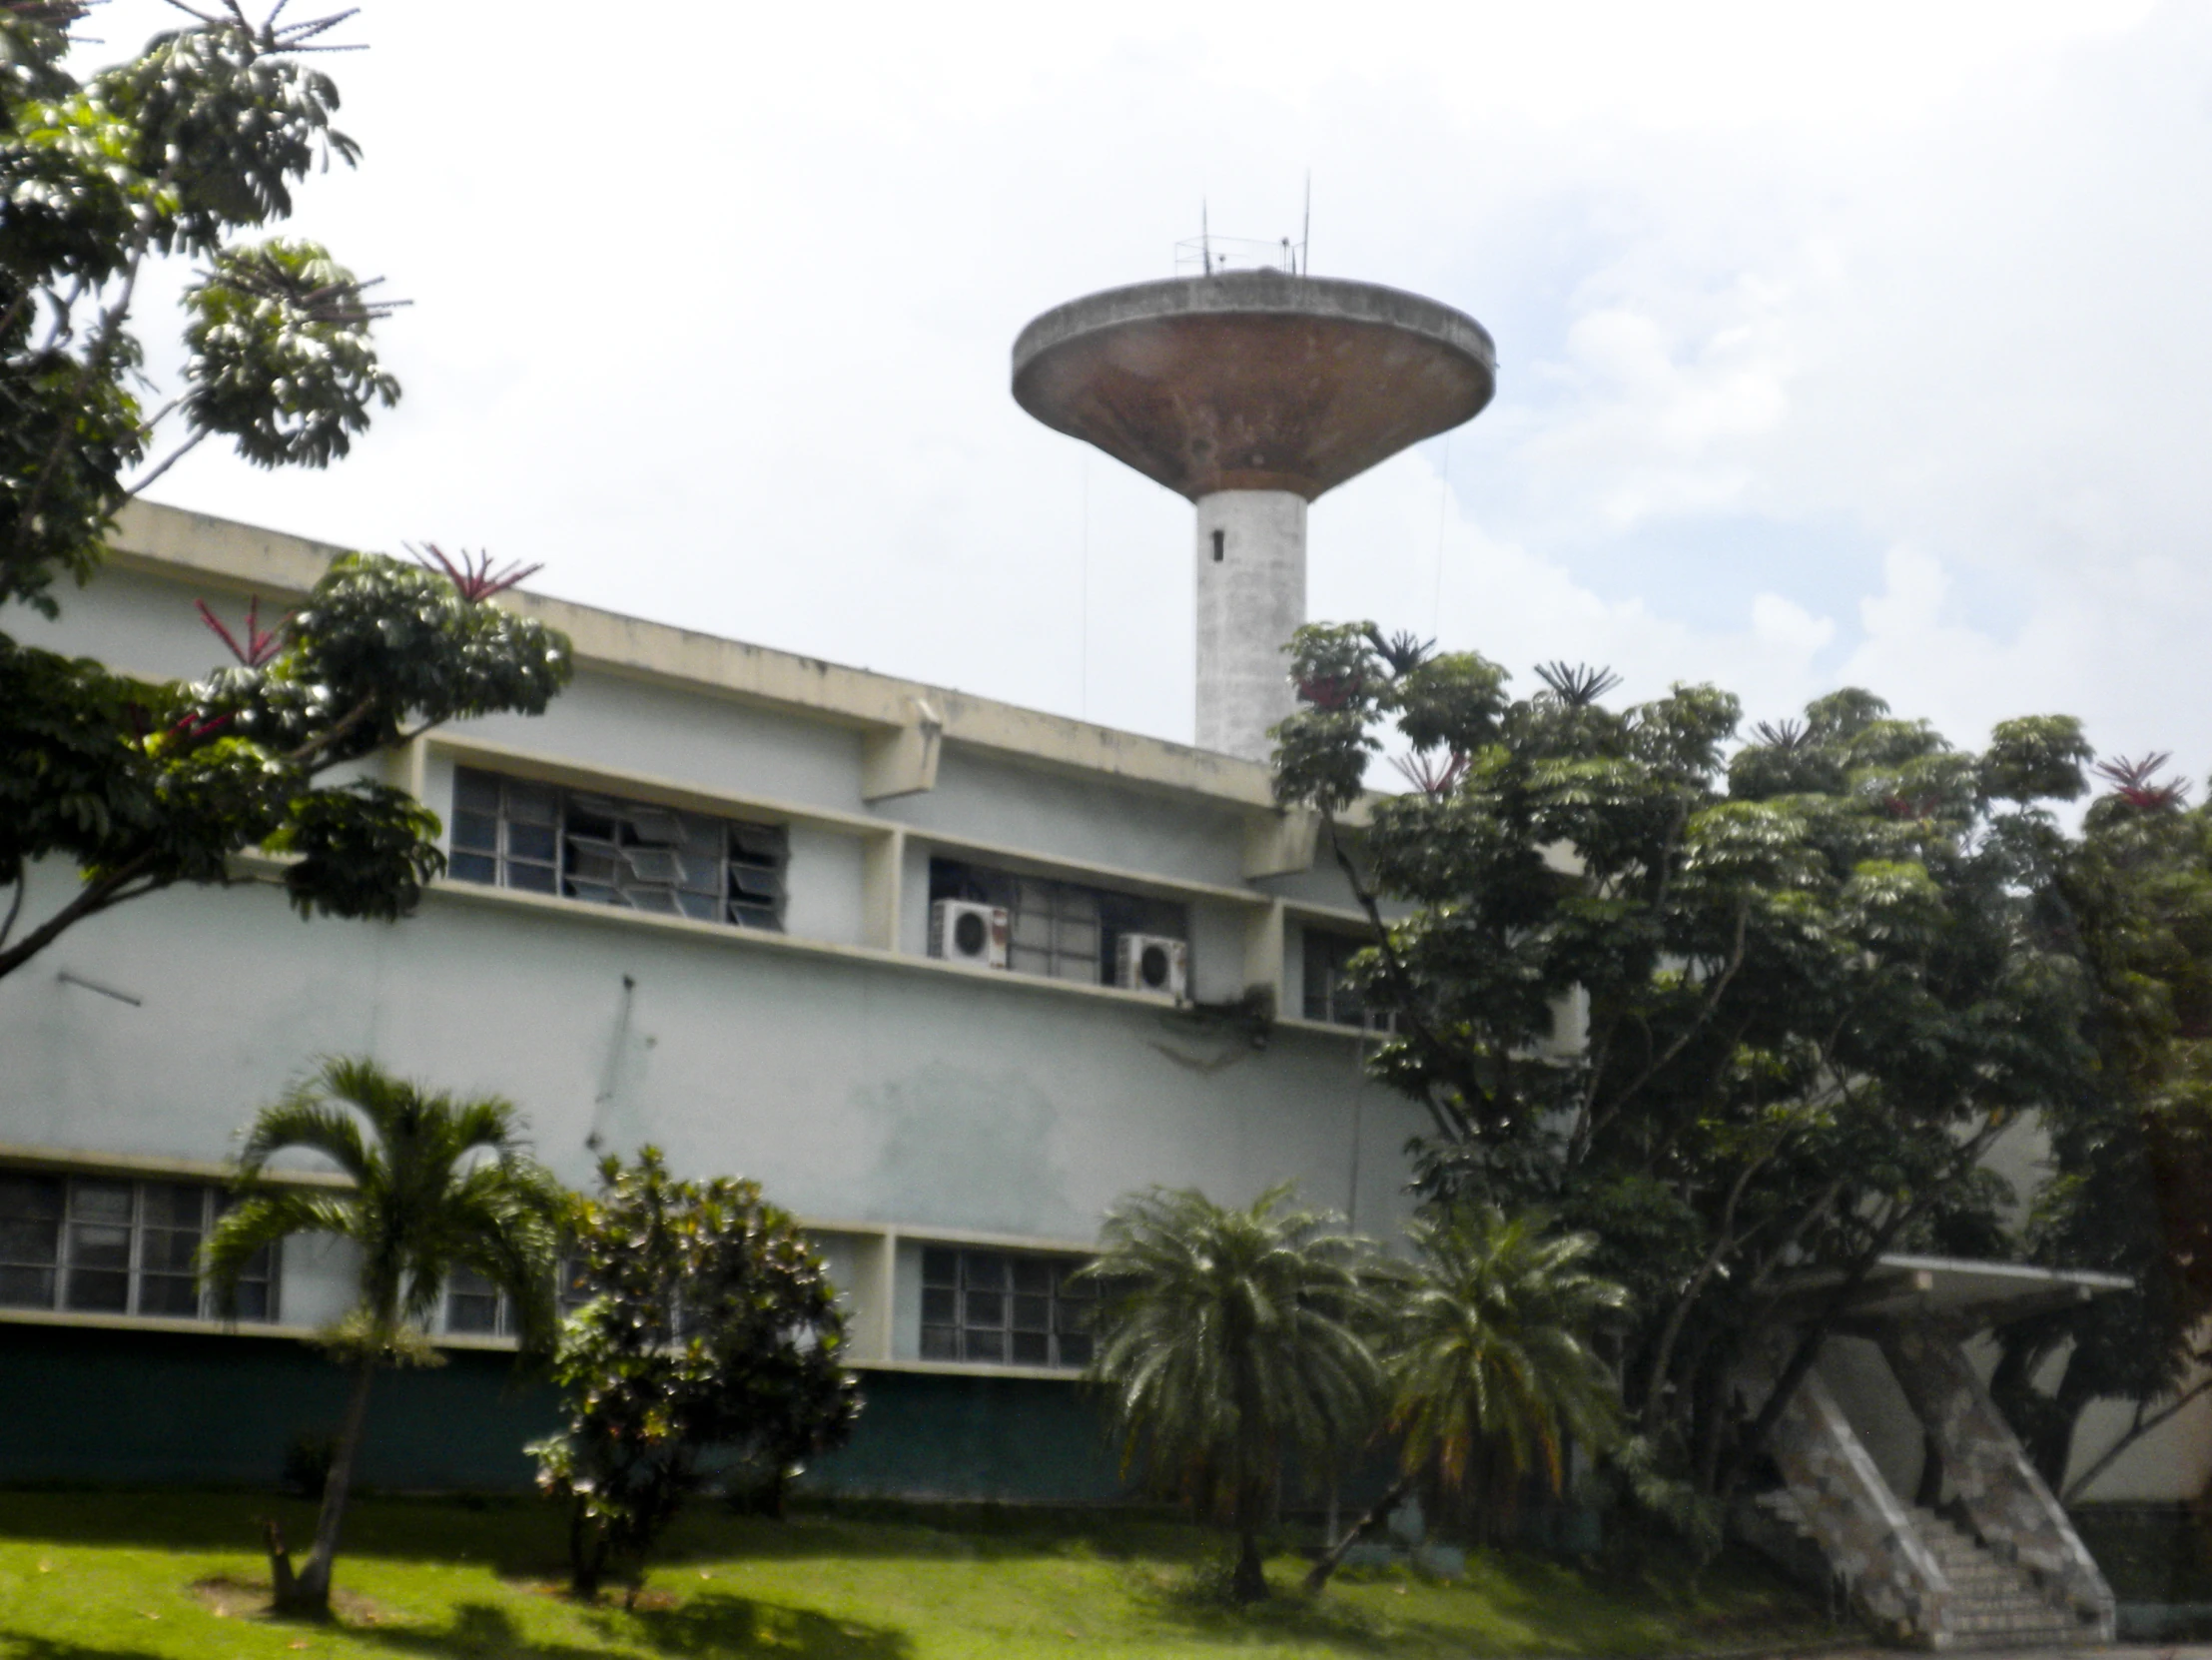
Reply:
x=131 y=1576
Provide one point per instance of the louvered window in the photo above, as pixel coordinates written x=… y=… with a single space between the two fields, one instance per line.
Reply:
x=542 y=838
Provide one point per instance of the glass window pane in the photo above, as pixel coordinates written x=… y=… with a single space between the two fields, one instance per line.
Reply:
x=175 y=1296
x=35 y=1243
x=98 y=1245
x=253 y=1300
x=475 y=791
x=26 y=1287
x=1032 y=1313
x=532 y=841
x=168 y=1250
x=1032 y=1348
x=530 y=878
x=985 y=1270
x=476 y=830
x=940 y=1267
x=940 y=1342
x=532 y=803
x=175 y=1205
x=476 y=1315
x=30 y=1195
x=1032 y=1273
x=590 y=817
x=474 y=867
x=101 y=1294
x=1075 y=1350
x=100 y=1201
x=939 y=1305
x=985 y=1346
x=986 y=1309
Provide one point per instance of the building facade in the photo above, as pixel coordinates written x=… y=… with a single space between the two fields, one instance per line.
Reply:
x=947 y=976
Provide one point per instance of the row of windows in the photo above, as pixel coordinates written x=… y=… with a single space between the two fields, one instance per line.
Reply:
x=1005 y=1308
x=541 y=838
x=1060 y=929
x=99 y=1244
x=93 y=1244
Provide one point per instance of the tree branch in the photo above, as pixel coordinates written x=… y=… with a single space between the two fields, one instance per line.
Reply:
x=2141 y=1428
x=15 y=905
x=1600 y=1119
x=174 y=455
x=96 y=897
x=1401 y=984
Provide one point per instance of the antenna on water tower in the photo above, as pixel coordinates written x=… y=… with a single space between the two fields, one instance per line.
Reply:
x=1306 y=230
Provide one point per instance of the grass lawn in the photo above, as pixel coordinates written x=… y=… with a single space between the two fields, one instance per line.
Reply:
x=130 y=1576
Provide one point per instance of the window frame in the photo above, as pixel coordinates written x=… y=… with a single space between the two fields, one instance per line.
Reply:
x=951 y=1274
x=1112 y=913
x=140 y=1270
x=1322 y=976
x=567 y=842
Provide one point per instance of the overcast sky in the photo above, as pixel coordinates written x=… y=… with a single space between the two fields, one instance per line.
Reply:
x=1863 y=344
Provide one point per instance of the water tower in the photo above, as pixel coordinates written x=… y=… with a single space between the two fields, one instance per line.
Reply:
x=1251 y=391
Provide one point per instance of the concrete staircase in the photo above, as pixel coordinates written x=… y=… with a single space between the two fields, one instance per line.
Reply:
x=1995 y=1603
x=1990 y=1602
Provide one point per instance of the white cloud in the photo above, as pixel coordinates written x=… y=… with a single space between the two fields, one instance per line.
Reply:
x=713 y=317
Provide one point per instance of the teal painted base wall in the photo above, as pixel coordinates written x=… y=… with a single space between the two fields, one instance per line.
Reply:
x=172 y=1408
x=1020 y=1440
x=175 y=1407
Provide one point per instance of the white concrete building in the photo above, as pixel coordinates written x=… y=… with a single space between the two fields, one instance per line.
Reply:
x=696 y=903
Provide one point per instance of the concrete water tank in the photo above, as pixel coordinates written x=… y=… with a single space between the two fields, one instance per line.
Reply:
x=1252 y=393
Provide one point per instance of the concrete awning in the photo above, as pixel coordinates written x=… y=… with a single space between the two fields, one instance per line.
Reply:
x=1958 y=1292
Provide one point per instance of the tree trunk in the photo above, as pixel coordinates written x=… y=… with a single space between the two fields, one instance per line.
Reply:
x=311 y=1592
x=1378 y=1513
x=1249 y=1583
x=587 y=1553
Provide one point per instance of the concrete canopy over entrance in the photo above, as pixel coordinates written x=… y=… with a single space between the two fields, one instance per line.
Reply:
x=1957 y=1292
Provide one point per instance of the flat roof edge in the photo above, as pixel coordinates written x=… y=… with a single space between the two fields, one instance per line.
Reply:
x=161 y=538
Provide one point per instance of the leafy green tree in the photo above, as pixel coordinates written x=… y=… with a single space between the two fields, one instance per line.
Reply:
x=1489 y=1359
x=437 y=1183
x=2132 y=1152
x=1234 y=1342
x=712 y=1341
x=144 y=786
x=1738 y=1017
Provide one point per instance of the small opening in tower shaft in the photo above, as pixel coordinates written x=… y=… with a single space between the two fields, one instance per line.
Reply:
x=1221 y=537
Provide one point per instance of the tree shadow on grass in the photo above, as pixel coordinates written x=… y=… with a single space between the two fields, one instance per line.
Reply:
x=711 y=1624
x=27 y=1645
x=524 y=1538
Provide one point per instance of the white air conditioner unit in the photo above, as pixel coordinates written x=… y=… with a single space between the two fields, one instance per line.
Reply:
x=962 y=931
x=1151 y=963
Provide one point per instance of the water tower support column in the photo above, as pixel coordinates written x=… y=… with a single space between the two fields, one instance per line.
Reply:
x=1251 y=598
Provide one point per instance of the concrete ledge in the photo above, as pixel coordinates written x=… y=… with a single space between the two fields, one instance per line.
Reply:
x=172 y=543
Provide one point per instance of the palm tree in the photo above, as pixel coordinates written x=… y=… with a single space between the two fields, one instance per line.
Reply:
x=1490 y=1361
x=1232 y=1342
x=437 y=1183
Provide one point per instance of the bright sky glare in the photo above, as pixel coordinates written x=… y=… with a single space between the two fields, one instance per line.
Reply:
x=1839 y=343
